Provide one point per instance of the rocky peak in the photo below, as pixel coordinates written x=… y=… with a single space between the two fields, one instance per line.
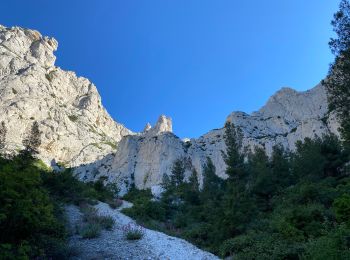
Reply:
x=75 y=127
x=164 y=124
x=291 y=104
x=22 y=47
x=147 y=127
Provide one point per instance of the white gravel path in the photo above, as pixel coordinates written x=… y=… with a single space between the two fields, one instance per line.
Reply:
x=113 y=245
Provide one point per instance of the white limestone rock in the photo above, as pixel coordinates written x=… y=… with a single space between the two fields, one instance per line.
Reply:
x=75 y=127
x=78 y=131
x=288 y=116
x=141 y=159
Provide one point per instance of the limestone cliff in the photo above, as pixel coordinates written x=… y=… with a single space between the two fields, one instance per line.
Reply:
x=144 y=158
x=78 y=131
x=75 y=127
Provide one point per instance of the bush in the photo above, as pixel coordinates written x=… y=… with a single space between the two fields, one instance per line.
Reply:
x=106 y=222
x=133 y=232
x=94 y=222
x=65 y=187
x=31 y=217
x=91 y=230
x=144 y=208
x=115 y=203
x=73 y=118
x=341 y=207
x=333 y=245
x=29 y=223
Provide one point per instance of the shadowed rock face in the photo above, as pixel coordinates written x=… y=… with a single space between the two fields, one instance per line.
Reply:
x=75 y=127
x=78 y=131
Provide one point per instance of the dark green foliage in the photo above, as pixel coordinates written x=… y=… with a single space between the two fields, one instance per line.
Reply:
x=288 y=206
x=233 y=157
x=341 y=208
x=341 y=27
x=115 y=203
x=331 y=245
x=90 y=231
x=177 y=173
x=65 y=187
x=144 y=208
x=133 y=232
x=3 y=132
x=73 y=118
x=106 y=222
x=31 y=216
x=319 y=158
x=93 y=222
x=338 y=80
x=32 y=141
x=28 y=224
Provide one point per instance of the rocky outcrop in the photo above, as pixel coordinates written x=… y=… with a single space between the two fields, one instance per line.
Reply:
x=78 y=131
x=75 y=127
x=287 y=117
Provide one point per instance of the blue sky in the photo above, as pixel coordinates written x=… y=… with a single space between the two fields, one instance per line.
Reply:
x=193 y=60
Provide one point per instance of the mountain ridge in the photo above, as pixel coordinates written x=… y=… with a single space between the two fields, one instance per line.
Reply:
x=78 y=131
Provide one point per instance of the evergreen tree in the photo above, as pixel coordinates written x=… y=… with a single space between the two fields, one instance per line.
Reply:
x=32 y=140
x=191 y=189
x=3 y=132
x=261 y=178
x=237 y=202
x=193 y=181
x=281 y=167
x=233 y=158
x=338 y=80
x=177 y=173
x=213 y=185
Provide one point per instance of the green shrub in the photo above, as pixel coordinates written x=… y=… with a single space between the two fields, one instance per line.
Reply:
x=73 y=118
x=333 y=245
x=106 y=222
x=341 y=207
x=92 y=218
x=27 y=213
x=115 y=203
x=90 y=230
x=133 y=232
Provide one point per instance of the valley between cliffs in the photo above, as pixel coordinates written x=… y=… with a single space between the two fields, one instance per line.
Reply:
x=77 y=131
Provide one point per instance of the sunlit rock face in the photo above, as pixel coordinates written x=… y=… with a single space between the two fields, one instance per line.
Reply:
x=288 y=116
x=75 y=127
x=77 y=131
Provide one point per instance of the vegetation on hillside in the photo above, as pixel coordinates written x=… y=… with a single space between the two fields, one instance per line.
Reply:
x=338 y=80
x=32 y=196
x=288 y=206
x=291 y=205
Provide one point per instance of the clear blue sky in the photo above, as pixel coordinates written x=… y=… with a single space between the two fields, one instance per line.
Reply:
x=194 y=60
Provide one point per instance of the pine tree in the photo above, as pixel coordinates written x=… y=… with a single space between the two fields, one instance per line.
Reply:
x=233 y=158
x=3 y=133
x=193 y=181
x=177 y=173
x=237 y=202
x=338 y=80
x=191 y=189
x=33 y=140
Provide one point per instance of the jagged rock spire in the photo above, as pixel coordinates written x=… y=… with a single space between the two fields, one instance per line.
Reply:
x=147 y=127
